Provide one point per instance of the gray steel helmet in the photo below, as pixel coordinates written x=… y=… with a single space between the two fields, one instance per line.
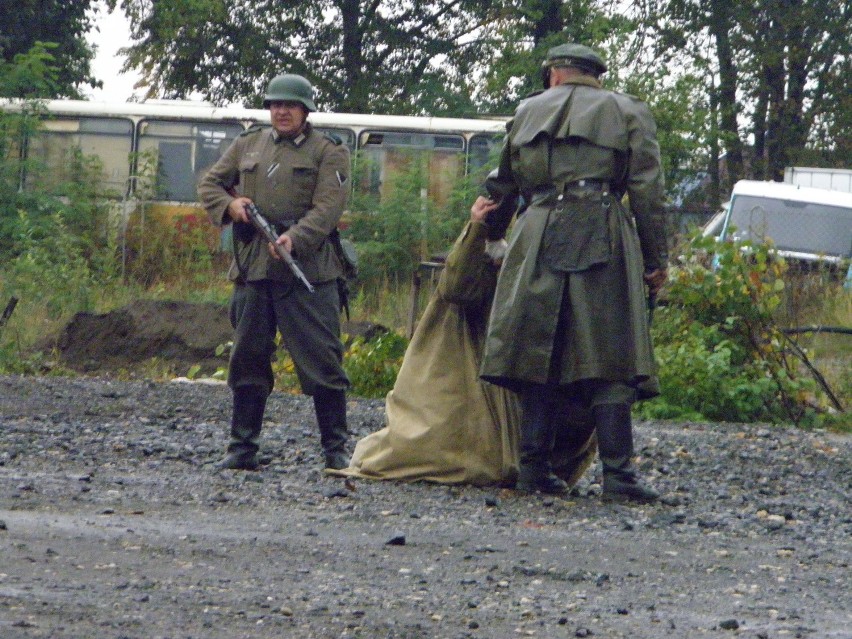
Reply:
x=290 y=87
x=575 y=55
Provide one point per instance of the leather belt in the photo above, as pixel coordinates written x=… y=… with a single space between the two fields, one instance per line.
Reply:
x=589 y=185
x=545 y=193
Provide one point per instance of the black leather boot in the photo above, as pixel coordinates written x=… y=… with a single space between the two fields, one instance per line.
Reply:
x=330 y=406
x=246 y=422
x=615 y=444
x=535 y=473
x=575 y=447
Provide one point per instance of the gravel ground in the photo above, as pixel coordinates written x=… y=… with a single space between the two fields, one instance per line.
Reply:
x=114 y=525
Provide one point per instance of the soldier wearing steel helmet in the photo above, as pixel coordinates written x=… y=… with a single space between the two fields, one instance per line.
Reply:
x=299 y=181
x=569 y=324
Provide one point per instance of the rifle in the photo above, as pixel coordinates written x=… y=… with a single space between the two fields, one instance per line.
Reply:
x=264 y=227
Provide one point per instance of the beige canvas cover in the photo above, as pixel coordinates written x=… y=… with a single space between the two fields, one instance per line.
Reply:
x=443 y=423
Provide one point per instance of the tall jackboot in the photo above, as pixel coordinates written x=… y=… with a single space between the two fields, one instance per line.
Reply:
x=246 y=422
x=615 y=445
x=535 y=473
x=330 y=406
x=576 y=446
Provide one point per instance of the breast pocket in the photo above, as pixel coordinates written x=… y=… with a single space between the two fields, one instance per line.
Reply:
x=248 y=178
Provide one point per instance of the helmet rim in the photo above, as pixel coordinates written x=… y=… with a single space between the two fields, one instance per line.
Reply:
x=290 y=87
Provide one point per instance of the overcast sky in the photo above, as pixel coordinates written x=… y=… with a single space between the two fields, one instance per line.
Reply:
x=114 y=33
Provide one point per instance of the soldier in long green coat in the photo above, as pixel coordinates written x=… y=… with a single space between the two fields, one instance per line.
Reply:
x=299 y=180
x=569 y=321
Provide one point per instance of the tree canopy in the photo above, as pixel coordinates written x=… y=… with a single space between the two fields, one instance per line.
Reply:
x=361 y=56
x=777 y=77
x=58 y=28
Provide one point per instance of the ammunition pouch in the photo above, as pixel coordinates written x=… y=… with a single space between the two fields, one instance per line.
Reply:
x=346 y=253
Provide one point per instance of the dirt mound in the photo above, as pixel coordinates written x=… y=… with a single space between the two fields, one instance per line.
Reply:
x=181 y=333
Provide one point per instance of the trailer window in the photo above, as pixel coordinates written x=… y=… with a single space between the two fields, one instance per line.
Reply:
x=60 y=142
x=181 y=152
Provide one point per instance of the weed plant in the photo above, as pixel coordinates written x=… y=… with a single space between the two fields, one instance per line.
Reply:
x=723 y=355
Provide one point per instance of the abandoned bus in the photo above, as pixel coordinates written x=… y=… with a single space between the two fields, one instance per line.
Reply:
x=184 y=138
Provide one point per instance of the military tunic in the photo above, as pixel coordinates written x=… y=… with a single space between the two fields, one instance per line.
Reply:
x=301 y=186
x=570 y=302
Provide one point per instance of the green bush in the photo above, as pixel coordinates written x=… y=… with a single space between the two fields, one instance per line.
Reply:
x=394 y=233
x=51 y=269
x=722 y=355
x=372 y=366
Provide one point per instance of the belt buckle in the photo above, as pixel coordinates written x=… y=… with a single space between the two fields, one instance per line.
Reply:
x=593 y=185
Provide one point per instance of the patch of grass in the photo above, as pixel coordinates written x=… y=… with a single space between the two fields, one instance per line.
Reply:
x=818 y=299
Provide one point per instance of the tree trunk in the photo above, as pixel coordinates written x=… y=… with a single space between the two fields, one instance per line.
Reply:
x=776 y=129
x=720 y=24
x=713 y=142
x=356 y=100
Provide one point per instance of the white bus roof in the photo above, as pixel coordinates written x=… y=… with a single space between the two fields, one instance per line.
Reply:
x=176 y=109
x=785 y=191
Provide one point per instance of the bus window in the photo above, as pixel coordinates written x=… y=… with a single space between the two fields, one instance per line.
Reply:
x=388 y=154
x=58 y=139
x=183 y=152
x=483 y=150
x=345 y=136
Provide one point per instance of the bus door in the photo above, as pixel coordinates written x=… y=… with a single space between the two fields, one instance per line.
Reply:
x=179 y=153
x=172 y=157
x=392 y=160
x=387 y=155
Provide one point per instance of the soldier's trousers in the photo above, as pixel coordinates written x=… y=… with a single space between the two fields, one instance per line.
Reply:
x=309 y=324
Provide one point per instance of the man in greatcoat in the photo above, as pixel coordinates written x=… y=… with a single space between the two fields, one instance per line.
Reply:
x=299 y=180
x=570 y=320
